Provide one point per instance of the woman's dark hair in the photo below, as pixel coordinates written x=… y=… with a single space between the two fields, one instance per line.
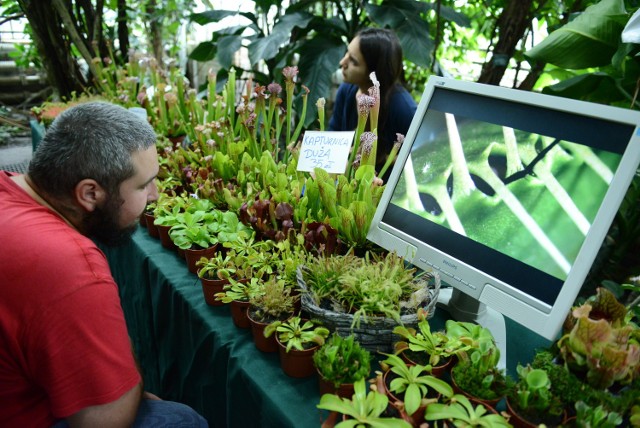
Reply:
x=382 y=54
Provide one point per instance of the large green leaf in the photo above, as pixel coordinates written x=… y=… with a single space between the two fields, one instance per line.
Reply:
x=596 y=87
x=205 y=51
x=227 y=47
x=404 y=17
x=265 y=48
x=210 y=16
x=590 y=40
x=318 y=62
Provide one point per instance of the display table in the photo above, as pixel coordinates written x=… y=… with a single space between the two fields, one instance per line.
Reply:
x=193 y=353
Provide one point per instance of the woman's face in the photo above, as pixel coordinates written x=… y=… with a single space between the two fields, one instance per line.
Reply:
x=354 y=69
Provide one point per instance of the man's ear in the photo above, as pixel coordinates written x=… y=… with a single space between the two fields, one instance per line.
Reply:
x=89 y=194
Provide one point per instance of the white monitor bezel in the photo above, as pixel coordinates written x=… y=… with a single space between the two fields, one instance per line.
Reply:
x=540 y=317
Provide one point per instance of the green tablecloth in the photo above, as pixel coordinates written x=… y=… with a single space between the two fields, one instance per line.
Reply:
x=193 y=353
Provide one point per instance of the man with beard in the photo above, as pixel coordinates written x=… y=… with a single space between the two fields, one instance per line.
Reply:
x=65 y=354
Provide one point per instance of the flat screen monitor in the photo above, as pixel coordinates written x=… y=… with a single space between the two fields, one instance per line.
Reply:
x=508 y=195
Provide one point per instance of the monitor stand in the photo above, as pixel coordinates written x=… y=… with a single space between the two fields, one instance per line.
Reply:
x=463 y=307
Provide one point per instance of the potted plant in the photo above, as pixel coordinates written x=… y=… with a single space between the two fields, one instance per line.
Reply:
x=214 y=273
x=237 y=294
x=340 y=362
x=595 y=416
x=412 y=388
x=530 y=400
x=298 y=339
x=192 y=235
x=476 y=372
x=365 y=408
x=458 y=411
x=366 y=296
x=166 y=214
x=271 y=302
x=422 y=346
x=601 y=343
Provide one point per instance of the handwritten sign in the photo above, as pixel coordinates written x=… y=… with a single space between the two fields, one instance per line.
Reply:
x=328 y=150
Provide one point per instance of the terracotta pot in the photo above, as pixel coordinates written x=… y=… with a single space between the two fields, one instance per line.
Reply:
x=519 y=421
x=210 y=287
x=345 y=390
x=193 y=255
x=437 y=371
x=143 y=220
x=181 y=253
x=153 y=231
x=239 y=314
x=265 y=344
x=297 y=363
x=165 y=239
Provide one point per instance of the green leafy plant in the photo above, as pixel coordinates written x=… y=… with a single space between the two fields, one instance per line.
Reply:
x=239 y=290
x=376 y=285
x=342 y=360
x=413 y=383
x=435 y=346
x=297 y=333
x=601 y=341
x=532 y=396
x=476 y=371
x=462 y=413
x=598 y=416
x=366 y=409
x=271 y=301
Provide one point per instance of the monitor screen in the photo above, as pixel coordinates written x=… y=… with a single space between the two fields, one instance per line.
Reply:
x=508 y=194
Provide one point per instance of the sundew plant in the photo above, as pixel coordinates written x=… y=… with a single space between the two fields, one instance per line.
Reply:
x=529 y=196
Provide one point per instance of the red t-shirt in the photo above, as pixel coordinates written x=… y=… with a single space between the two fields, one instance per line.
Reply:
x=63 y=339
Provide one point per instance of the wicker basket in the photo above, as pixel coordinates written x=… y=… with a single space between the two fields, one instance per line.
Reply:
x=376 y=333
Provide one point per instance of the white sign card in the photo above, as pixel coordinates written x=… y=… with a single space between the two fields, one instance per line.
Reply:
x=328 y=150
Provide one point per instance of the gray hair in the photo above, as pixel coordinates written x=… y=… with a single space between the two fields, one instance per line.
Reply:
x=91 y=140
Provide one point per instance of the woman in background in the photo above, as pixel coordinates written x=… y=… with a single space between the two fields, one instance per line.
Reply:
x=374 y=50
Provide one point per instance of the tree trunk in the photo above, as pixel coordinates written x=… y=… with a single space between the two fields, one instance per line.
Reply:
x=511 y=25
x=155 y=30
x=123 y=29
x=54 y=46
